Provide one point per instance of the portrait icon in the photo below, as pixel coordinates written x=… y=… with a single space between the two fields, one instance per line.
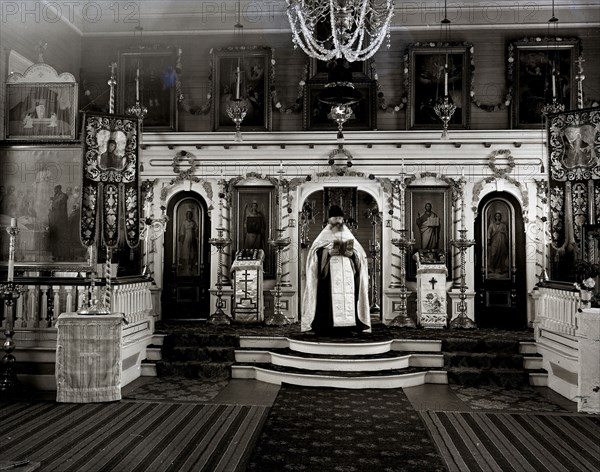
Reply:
x=111 y=150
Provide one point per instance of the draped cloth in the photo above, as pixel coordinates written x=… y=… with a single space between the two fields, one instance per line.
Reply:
x=341 y=275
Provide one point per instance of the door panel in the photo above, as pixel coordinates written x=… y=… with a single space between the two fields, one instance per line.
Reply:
x=500 y=264
x=187 y=263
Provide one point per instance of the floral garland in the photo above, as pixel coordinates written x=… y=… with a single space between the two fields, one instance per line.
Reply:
x=495 y=169
x=184 y=174
x=381 y=103
x=297 y=106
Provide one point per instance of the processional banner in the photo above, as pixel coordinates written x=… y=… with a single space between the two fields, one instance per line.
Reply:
x=574 y=184
x=110 y=193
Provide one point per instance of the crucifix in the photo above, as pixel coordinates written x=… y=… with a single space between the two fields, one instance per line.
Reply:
x=433 y=282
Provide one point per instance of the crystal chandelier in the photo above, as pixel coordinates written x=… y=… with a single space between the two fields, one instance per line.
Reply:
x=330 y=29
x=444 y=108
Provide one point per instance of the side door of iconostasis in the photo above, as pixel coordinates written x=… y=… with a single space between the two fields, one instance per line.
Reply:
x=186 y=279
x=364 y=220
x=500 y=283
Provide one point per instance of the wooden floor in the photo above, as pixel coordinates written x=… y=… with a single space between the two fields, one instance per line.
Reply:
x=219 y=434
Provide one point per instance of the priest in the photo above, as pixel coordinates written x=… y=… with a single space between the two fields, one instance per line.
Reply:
x=336 y=300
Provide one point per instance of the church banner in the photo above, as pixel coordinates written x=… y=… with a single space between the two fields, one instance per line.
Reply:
x=574 y=155
x=110 y=180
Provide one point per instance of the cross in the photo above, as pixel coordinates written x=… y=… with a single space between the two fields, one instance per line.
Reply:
x=112 y=68
x=433 y=282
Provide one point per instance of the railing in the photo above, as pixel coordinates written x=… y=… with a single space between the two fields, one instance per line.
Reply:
x=43 y=300
x=556 y=306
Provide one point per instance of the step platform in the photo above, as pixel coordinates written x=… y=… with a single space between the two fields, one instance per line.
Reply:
x=377 y=364
x=392 y=363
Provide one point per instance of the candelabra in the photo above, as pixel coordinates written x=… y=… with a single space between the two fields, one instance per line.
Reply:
x=553 y=107
x=375 y=252
x=280 y=243
x=403 y=244
x=236 y=110
x=444 y=110
x=9 y=292
x=219 y=317
x=95 y=305
x=278 y=318
x=462 y=321
x=340 y=114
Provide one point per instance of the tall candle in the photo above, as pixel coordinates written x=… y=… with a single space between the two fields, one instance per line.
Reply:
x=403 y=166
x=137 y=83
x=445 y=80
x=11 y=252
x=553 y=83
x=237 y=81
x=402 y=209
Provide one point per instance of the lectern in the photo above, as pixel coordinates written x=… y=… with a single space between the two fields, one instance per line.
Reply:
x=248 y=302
x=432 y=309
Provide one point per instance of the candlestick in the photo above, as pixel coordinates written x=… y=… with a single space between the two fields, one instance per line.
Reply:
x=137 y=83
x=553 y=83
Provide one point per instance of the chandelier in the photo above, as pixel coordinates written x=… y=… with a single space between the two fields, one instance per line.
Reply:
x=444 y=108
x=349 y=29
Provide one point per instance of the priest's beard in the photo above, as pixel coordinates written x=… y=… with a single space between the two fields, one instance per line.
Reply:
x=337 y=227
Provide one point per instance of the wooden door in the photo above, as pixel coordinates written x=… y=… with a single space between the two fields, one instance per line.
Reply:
x=186 y=280
x=500 y=282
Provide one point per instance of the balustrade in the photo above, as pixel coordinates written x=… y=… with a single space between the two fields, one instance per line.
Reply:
x=556 y=307
x=42 y=301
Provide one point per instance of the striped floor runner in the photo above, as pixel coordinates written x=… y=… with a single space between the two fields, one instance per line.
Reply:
x=506 y=442
x=129 y=436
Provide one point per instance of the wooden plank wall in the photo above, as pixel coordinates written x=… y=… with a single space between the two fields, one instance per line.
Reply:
x=490 y=70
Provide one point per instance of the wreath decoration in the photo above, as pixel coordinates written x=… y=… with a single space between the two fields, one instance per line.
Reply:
x=501 y=172
x=297 y=106
x=188 y=174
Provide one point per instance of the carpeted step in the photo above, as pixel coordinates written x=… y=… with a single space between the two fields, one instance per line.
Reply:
x=483 y=360
x=205 y=353
x=472 y=377
x=193 y=339
x=480 y=345
x=194 y=369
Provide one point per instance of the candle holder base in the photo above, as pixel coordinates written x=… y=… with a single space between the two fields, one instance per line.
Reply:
x=462 y=321
x=9 y=383
x=402 y=321
x=375 y=308
x=219 y=317
x=276 y=319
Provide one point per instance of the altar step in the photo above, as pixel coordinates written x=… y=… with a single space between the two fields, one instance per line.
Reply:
x=386 y=364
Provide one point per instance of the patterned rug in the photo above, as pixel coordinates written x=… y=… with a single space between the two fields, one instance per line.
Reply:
x=516 y=442
x=491 y=397
x=341 y=430
x=175 y=389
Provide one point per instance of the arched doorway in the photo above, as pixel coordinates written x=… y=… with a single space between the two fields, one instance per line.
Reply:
x=186 y=275
x=365 y=222
x=500 y=280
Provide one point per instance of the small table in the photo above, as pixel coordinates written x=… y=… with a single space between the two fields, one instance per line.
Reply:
x=88 y=358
